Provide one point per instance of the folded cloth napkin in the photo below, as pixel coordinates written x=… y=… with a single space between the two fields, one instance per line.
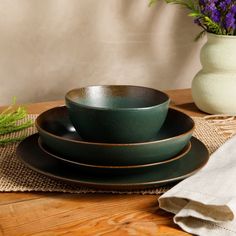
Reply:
x=205 y=204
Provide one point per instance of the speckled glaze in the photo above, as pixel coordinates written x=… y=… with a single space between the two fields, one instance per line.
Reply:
x=58 y=133
x=116 y=113
x=214 y=86
x=32 y=156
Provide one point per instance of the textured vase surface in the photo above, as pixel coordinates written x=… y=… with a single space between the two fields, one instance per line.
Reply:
x=214 y=86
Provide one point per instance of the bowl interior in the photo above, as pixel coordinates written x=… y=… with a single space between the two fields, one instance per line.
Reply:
x=56 y=122
x=117 y=96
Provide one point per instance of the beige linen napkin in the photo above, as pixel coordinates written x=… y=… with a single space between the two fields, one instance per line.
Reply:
x=205 y=204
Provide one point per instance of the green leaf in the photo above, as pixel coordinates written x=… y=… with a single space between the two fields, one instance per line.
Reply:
x=200 y=35
x=11 y=121
x=194 y=14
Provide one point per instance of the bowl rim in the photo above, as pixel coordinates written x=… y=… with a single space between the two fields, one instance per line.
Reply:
x=69 y=99
x=41 y=130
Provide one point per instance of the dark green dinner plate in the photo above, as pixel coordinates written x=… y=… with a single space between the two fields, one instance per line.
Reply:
x=59 y=135
x=32 y=156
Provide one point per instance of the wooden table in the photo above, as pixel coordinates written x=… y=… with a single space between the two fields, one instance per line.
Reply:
x=46 y=214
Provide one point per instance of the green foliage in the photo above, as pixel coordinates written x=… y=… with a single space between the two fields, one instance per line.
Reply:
x=189 y=4
x=211 y=25
x=11 y=121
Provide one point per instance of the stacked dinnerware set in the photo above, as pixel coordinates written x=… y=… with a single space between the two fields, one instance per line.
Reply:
x=116 y=137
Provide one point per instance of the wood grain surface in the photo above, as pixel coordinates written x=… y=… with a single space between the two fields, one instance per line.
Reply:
x=49 y=214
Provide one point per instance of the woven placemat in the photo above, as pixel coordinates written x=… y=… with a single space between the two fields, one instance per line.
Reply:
x=16 y=177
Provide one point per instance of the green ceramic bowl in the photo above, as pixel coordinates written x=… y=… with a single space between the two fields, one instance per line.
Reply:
x=117 y=113
x=58 y=133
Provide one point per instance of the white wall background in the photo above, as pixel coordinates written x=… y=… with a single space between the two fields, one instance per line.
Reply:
x=50 y=46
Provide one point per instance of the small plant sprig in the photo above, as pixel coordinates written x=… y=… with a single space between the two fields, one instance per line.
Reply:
x=214 y=16
x=10 y=121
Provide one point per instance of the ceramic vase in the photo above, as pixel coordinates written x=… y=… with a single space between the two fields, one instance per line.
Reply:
x=214 y=86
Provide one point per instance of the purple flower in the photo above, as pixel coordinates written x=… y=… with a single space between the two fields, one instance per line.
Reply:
x=233 y=9
x=228 y=2
x=230 y=21
x=209 y=8
x=221 y=12
x=215 y=16
x=223 y=6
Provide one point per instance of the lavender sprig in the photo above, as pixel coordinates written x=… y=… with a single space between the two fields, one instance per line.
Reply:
x=213 y=16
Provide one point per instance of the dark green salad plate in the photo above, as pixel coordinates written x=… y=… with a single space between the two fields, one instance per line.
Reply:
x=36 y=159
x=114 y=169
x=59 y=135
